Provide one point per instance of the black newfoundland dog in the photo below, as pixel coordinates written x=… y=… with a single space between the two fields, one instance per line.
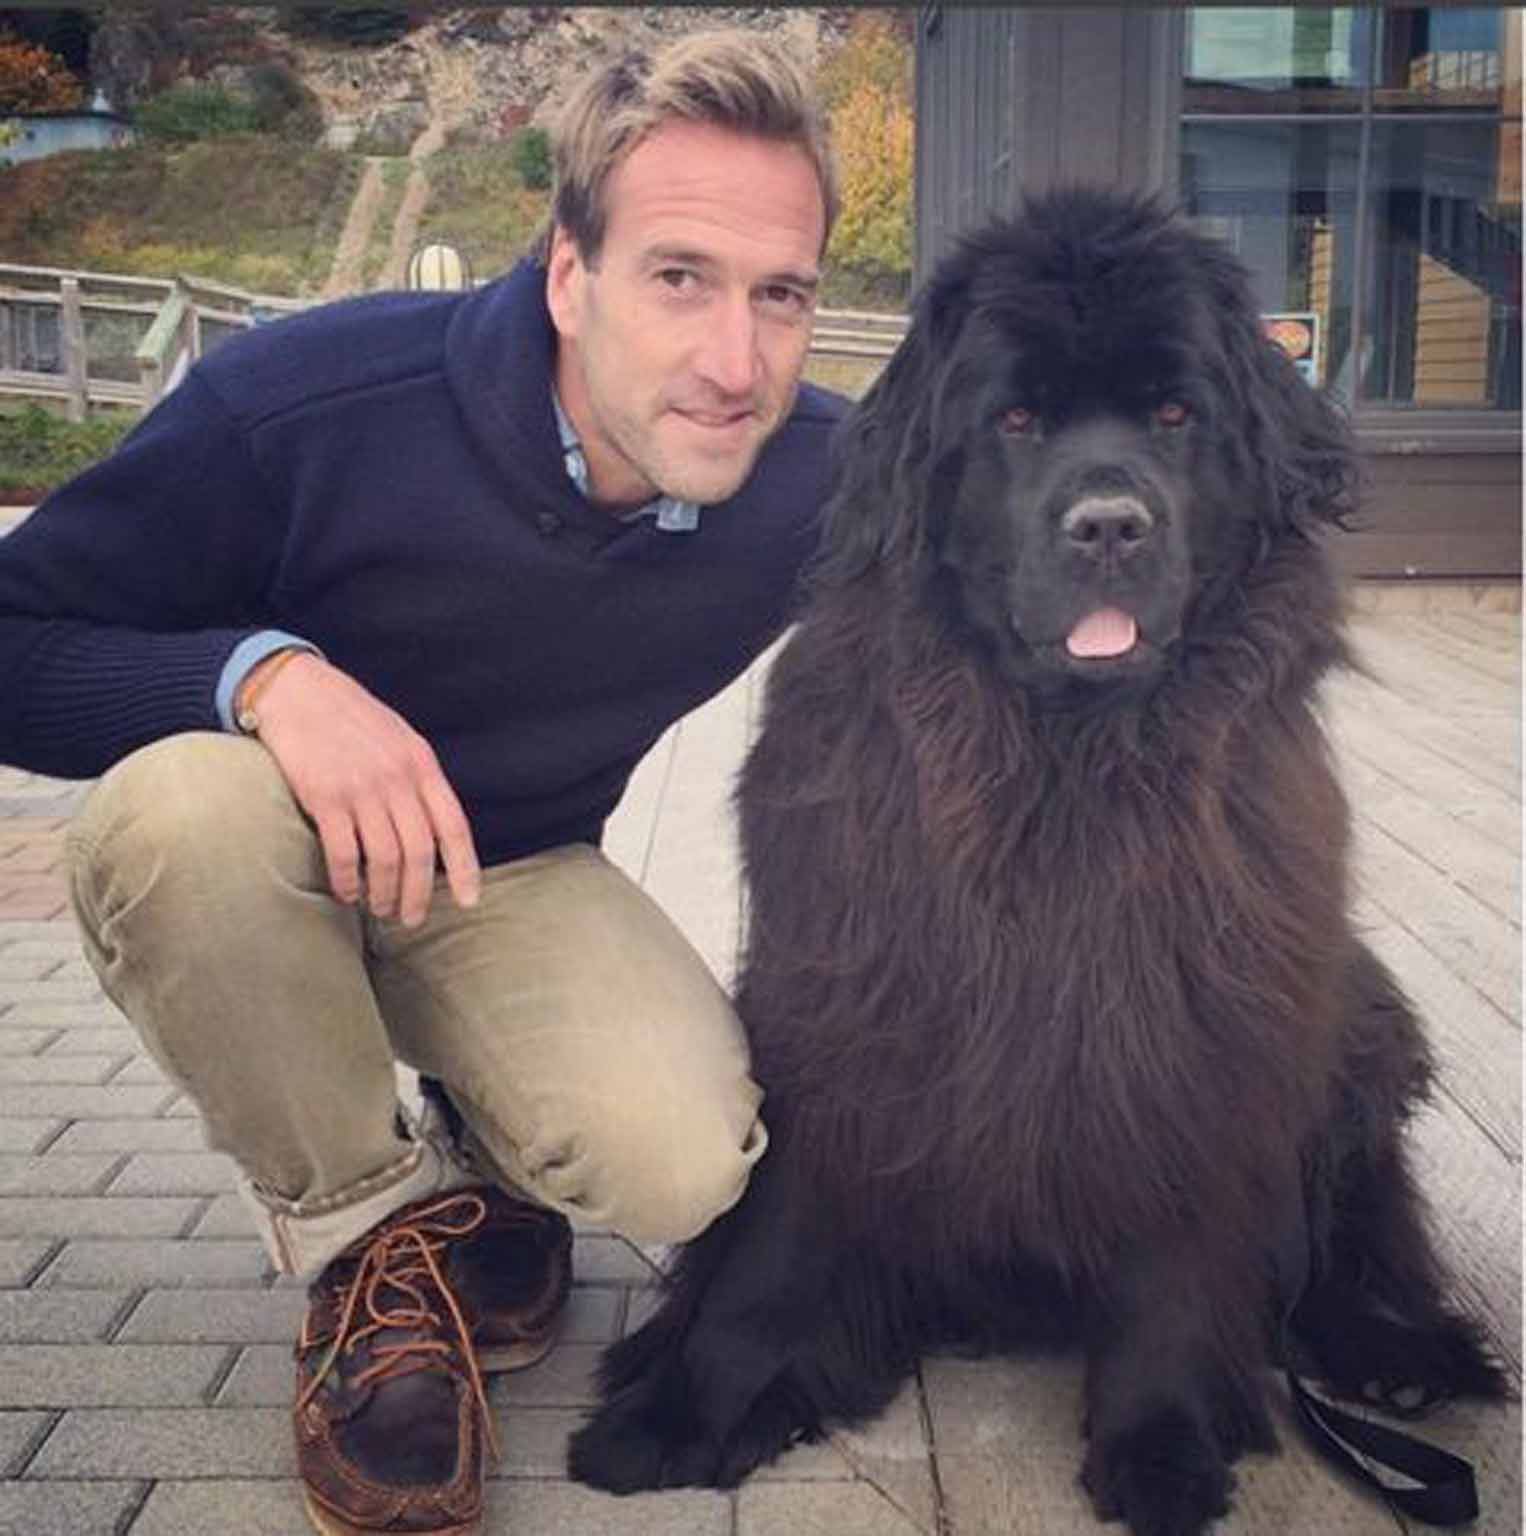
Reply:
x=1065 y=1030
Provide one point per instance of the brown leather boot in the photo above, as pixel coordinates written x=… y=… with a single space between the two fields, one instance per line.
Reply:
x=391 y=1415
x=512 y=1276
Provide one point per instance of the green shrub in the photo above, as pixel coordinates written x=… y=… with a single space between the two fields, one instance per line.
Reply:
x=283 y=104
x=195 y=111
x=530 y=155
x=39 y=450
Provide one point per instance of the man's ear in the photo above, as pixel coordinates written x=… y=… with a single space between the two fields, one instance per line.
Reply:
x=564 y=282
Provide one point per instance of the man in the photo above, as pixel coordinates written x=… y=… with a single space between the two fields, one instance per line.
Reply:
x=366 y=626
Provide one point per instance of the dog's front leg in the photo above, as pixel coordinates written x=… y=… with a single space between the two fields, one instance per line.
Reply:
x=1172 y=1396
x=700 y=1395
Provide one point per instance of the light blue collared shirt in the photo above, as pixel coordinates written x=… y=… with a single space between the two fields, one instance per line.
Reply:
x=672 y=515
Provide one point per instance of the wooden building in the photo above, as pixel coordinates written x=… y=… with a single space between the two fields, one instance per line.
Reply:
x=1365 y=163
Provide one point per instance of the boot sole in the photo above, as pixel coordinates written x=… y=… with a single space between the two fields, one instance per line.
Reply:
x=330 y=1524
x=516 y=1357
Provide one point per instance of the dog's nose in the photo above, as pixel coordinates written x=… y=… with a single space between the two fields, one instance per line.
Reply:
x=1101 y=525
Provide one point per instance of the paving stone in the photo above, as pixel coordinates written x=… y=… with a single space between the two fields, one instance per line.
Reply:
x=168 y=1442
x=26 y=967
x=24 y=1040
x=591 y=1316
x=217 y=1317
x=89 y=1070
x=107 y=1375
x=20 y=1258
x=517 y=1508
x=227 y=1216
x=49 y=951
x=609 y=1261
x=821 y=1462
x=175 y=1173
x=55 y=1173
x=66 y=1509
x=639 y=1307
x=68 y=1101
x=181 y=1107
x=564 y=1379
x=534 y=1441
x=140 y=1069
x=59 y=1002
x=101 y=1262
x=27 y=1133
x=130 y=1136
x=20 y=1430
x=95 y=1039
x=58 y=1317
x=95 y=1216
x=236 y=1506
x=262 y=1377
x=820 y=1509
x=891 y=1452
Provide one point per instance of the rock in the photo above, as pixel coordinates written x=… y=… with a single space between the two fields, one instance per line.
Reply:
x=392 y=129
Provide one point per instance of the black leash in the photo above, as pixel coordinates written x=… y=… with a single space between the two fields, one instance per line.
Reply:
x=1444 y=1492
x=1439 y=1488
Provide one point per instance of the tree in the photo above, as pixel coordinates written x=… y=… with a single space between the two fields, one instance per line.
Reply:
x=867 y=86
x=34 y=80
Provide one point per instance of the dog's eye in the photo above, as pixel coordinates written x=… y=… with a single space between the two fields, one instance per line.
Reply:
x=1015 y=422
x=1172 y=414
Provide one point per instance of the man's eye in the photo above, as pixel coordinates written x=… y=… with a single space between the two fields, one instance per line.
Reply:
x=780 y=296
x=679 y=279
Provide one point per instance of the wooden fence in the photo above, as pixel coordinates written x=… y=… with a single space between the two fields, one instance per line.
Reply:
x=96 y=338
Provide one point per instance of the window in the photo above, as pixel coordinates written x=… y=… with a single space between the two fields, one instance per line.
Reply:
x=1365 y=163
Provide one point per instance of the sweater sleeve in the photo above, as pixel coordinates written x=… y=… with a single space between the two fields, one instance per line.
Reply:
x=124 y=593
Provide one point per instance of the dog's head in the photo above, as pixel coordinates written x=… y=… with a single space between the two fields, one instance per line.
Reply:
x=1085 y=439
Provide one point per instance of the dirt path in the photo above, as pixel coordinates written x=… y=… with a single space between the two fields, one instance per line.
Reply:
x=350 y=254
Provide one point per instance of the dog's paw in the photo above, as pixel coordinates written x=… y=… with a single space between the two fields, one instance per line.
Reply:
x=1163 y=1475
x=1403 y=1368
x=642 y=1440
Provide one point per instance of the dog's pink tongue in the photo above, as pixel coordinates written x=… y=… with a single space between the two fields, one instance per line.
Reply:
x=1107 y=632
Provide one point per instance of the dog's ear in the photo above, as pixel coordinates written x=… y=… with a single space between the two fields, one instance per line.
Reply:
x=889 y=457
x=1298 y=443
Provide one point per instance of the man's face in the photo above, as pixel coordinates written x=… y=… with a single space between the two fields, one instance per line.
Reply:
x=680 y=350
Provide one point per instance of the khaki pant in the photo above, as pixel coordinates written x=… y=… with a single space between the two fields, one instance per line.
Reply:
x=595 y=1061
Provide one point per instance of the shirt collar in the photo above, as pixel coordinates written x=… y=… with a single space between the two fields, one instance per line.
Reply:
x=671 y=514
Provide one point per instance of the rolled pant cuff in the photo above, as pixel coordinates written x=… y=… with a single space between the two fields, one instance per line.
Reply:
x=302 y=1236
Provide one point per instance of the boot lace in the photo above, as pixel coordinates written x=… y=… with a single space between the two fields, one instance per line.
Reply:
x=397 y=1274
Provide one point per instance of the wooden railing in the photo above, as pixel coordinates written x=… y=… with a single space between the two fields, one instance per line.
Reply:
x=101 y=338
x=96 y=338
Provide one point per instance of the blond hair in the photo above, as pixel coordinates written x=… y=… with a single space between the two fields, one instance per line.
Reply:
x=730 y=78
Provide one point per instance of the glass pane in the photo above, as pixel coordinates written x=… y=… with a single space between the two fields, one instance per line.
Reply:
x=1443 y=291
x=1276 y=59
x=1461 y=60
x=1283 y=196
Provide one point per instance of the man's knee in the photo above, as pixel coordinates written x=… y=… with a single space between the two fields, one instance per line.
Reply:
x=651 y=1175
x=192 y=801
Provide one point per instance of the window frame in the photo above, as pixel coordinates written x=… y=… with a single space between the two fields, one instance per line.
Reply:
x=1384 y=426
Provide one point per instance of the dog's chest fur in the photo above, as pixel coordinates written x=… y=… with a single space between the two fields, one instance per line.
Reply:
x=1097 y=1076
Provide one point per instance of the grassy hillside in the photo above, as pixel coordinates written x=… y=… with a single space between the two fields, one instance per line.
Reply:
x=256 y=211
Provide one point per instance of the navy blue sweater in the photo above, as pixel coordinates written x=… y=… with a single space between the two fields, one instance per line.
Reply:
x=384 y=478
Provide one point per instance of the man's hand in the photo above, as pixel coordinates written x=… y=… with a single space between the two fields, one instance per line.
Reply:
x=371 y=784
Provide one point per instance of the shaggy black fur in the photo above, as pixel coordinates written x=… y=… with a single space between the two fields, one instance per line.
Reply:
x=1065 y=1030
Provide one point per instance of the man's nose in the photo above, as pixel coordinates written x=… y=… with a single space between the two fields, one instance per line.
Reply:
x=728 y=353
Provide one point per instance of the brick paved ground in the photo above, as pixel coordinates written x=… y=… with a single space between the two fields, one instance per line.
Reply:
x=145 y=1343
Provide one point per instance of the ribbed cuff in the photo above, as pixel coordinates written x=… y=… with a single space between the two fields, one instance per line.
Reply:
x=94 y=694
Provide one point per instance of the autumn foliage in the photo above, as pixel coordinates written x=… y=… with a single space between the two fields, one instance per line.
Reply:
x=867 y=85
x=34 y=80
